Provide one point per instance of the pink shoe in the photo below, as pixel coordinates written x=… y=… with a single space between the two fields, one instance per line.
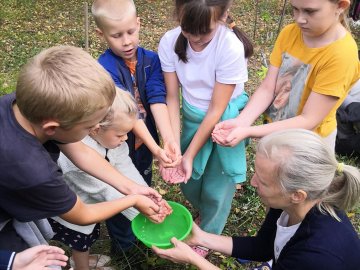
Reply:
x=202 y=251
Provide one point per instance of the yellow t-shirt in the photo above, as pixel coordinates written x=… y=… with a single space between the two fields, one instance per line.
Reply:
x=329 y=70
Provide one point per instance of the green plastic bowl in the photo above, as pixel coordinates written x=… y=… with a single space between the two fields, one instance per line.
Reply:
x=178 y=224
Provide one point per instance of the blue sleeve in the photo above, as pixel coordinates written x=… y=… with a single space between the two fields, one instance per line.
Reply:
x=115 y=77
x=110 y=63
x=260 y=247
x=311 y=259
x=6 y=259
x=155 y=85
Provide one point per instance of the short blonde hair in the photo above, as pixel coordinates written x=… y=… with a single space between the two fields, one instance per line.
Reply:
x=305 y=162
x=64 y=84
x=124 y=105
x=111 y=9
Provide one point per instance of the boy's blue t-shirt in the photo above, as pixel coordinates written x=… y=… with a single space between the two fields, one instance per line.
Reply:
x=31 y=183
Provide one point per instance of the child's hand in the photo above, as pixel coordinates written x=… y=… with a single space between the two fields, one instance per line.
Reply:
x=222 y=131
x=173 y=151
x=172 y=175
x=147 y=191
x=231 y=137
x=187 y=167
x=227 y=124
x=164 y=158
x=230 y=132
x=164 y=211
x=220 y=136
x=148 y=207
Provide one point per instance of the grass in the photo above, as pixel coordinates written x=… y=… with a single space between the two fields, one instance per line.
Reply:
x=28 y=26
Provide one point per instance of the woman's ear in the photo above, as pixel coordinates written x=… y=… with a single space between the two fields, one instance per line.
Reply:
x=298 y=196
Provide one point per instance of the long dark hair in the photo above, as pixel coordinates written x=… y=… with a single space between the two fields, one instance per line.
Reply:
x=248 y=46
x=195 y=18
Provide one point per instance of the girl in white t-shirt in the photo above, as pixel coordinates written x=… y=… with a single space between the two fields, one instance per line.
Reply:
x=208 y=60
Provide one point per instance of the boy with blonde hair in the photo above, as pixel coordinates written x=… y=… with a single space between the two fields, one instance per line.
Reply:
x=61 y=94
x=138 y=71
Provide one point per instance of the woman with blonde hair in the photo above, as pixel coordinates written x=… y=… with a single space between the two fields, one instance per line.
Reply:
x=308 y=192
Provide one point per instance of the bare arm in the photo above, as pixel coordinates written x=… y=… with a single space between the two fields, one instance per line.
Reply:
x=161 y=114
x=83 y=214
x=316 y=108
x=219 y=243
x=173 y=102
x=260 y=100
x=219 y=100
x=184 y=254
x=162 y=119
x=257 y=104
x=141 y=131
x=88 y=160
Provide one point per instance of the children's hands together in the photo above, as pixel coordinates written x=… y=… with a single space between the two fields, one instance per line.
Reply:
x=147 y=191
x=179 y=174
x=164 y=210
x=149 y=207
x=155 y=210
x=170 y=156
x=228 y=133
x=172 y=175
x=151 y=204
x=173 y=152
x=164 y=158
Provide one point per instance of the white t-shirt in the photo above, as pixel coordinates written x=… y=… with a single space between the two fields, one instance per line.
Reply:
x=222 y=60
x=283 y=233
x=92 y=190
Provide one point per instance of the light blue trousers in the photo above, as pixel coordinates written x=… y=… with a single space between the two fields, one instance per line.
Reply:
x=212 y=195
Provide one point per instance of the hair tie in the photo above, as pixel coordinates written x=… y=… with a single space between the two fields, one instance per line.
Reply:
x=232 y=25
x=340 y=167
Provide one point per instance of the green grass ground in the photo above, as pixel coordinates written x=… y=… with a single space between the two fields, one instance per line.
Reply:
x=28 y=26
